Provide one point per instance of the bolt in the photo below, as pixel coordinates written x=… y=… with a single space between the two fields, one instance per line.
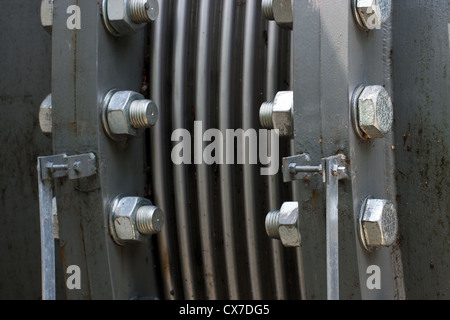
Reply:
x=337 y=170
x=378 y=224
x=265 y=115
x=272 y=224
x=267 y=9
x=373 y=112
x=279 y=114
x=47 y=15
x=371 y=14
x=143 y=114
x=123 y=17
x=294 y=169
x=134 y=219
x=76 y=166
x=149 y=220
x=57 y=167
x=45 y=116
x=280 y=11
x=284 y=225
x=143 y=11
x=126 y=112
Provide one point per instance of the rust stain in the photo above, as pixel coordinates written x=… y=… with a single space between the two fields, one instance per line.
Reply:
x=315 y=194
x=165 y=262
x=74 y=126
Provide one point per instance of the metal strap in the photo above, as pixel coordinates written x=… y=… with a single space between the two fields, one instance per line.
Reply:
x=332 y=169
x=50 y=168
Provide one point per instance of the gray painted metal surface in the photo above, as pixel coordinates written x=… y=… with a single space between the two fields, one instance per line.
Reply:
x=24 y=83
x=421 y=59
x=86 y=64
x=332 y=57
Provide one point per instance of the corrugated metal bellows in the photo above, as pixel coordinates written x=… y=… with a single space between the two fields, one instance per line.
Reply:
x=216 y=62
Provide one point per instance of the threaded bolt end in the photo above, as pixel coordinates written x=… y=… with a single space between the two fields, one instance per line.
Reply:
x=272 y=224
x=265 y=115
x=267 y=9
x=143 y=11
x=149 y=220
x=143 y=114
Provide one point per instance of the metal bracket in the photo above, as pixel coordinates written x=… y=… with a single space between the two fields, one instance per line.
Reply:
x=299 y=168
x=332 y=169
x=50 y=168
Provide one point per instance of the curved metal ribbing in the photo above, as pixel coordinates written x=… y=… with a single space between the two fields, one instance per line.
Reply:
x=202 y=107
x=273 y=182
x=225 y=122
x=179 y=109
x=252 y=16
x=212 y=249
x=160 y=166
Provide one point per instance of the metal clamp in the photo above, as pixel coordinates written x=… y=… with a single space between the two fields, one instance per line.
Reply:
x=50 y=168
x=332 y=169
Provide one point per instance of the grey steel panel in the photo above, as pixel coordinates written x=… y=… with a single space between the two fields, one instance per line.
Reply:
x=331 y=58
x=25 y=81
x=421 y=60
x=293 y=187
x=306 y=44
x=87 y=63
x=372 y=162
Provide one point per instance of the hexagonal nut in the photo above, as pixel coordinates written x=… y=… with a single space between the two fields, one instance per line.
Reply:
x=374 y=13
x=118 y=112
x=375 y=112
x=283 y=113
x=283 y=13
x=119 y=17
x=379 y=223
x=289 y=230
x=124 y=218
x=45 y=116
x=47 y=15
